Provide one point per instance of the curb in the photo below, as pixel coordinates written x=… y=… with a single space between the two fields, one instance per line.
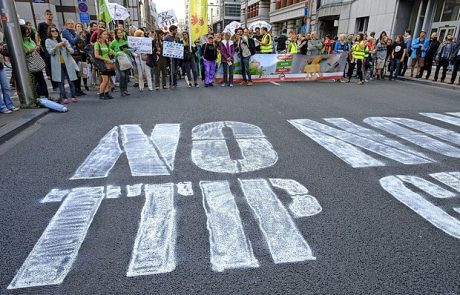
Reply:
x=13 y=128
x=431 y=83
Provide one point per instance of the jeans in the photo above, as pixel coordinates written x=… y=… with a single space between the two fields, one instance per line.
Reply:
x=228 y=73
x=174 y=64
x=124 y=77
x=444 y=63
x=5 y=99
x=64 y=76
x=210 y=69
x=395 y=68
x=245 y=71
x=190 y=66
x=426 y=67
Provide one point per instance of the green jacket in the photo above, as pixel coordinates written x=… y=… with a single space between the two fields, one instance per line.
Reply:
x=116 y=44
x=28 y=44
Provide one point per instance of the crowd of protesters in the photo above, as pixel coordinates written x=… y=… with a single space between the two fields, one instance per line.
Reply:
x=77 y=55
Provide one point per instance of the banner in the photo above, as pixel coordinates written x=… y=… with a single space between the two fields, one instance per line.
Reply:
x=290 y=67
x=166 y=19
x=174 y=50
x=140 y=44
x=104 y=13
x=198 y=19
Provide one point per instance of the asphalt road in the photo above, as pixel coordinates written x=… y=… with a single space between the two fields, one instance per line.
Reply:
x=364 y=240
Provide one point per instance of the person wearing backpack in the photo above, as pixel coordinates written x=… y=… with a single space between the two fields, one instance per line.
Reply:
x=246 y=47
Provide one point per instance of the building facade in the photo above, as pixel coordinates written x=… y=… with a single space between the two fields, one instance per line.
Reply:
x=352 y=16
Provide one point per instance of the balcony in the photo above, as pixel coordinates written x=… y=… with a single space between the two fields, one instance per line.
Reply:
x=285 y=3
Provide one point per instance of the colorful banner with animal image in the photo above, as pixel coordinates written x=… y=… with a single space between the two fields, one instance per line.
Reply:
x=290 y=67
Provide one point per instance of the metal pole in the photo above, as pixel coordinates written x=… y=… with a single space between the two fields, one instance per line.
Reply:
x=14 y=41
x=246 y=15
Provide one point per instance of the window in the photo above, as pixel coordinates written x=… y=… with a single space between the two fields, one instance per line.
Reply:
x=361 y=24
x=232 y=9
x=447 y=11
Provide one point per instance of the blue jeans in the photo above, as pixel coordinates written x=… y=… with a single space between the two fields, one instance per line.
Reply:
x=245 y=69
x=395 y=67
x=174 y=64
x=5 y=99
x=64 y=76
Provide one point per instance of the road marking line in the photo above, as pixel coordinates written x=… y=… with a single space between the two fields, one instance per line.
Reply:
x=302 y=205
x=165 y=137
x=448 y=179
x=142 y=156
x=134 y=190
x=417 y=138
x=185 y=188
x=431 y=213
x=155 y=243
x=52 y=257
x=427 y=186
x=456 y=114
x=112 y=192
x=442 y=117
x=101 y=159
x=284 y=240
x=275 y=83
x=229 y=246
x=55 y=195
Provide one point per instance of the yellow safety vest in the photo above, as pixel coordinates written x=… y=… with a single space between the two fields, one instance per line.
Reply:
x=358 y=52
x=266 y=48
x=293 y=48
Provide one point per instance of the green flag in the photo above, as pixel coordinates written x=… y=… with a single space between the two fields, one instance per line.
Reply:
x=104 y=13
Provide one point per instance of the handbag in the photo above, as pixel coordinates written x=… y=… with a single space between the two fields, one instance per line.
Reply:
x=35 y=62
x=124 y=61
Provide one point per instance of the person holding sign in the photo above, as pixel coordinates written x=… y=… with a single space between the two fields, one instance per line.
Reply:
x=227 y=50
x=143 y=70
x=174 y=62
x=160 y=61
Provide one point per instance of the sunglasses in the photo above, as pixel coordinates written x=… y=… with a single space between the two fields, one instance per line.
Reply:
x=54 y=31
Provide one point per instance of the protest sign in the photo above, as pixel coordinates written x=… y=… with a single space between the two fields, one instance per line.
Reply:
x=140 y=44
x=174 y=50
x=166 y=19
x=290 y=67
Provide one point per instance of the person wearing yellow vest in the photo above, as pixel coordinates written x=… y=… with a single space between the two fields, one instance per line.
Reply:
x=292 y=47
x=357 y=57
x=266 y=45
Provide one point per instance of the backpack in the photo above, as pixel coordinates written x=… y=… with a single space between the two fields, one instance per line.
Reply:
x=252 y=46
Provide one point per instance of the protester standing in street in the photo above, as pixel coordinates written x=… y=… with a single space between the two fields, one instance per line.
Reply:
x=419 y=47
x=445 y=53
x=266 y=44
x=381 y=56
x=103 y=53
x=433 y=47
x=173 y=62
x=314 y=45
x=42 y=30
x=69 y=33
x=6 y=103
x=81 y=58
x=246 y=48
x=455 y=58
x=190 y=60
x=227 y=50
x=357 y=58
x=408 y=43
x=398 y=55
x=119 y=47
x=209 y=61
x=62 y=64
x=161 y=62
x=281 y=43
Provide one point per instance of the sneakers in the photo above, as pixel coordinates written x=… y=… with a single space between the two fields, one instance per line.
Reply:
x=189 y=85
x=250 y=83
x=127 y=93
x=211 y=85
x=244 y=83
x=206 y=85
x=65 y=101
x=6 y=111
x=197 y=86
x=230 y=85
x=223 y=85
x=360 y=83
x=15 y=109
x=74 y=99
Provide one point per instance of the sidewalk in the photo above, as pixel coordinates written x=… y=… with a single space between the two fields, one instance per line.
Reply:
x=455 y=86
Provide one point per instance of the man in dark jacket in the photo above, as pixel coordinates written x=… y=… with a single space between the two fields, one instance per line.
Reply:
x=430 y=55
x=281 y=43
x=447 y=49
x=455 y=58
x=174 y=62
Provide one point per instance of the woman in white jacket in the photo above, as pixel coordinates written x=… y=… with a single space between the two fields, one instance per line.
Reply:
x=145 y=72
x=62 y=63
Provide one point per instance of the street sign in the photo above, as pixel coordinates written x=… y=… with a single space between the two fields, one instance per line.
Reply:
x=83 y=7
x=84 y=17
